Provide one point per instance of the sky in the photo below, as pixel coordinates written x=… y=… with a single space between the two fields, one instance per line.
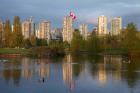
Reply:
x=87 y=11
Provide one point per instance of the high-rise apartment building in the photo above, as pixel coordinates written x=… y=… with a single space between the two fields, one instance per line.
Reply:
x=102 y=25
x=116 y=26
x=84 y=30
x=28 y=28
x=67 y=29
x=44 y=30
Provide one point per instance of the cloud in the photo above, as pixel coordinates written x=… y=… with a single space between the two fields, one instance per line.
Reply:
x=132 y=5
x=87 y=11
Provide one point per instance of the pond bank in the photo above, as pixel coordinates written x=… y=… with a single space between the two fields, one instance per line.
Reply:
x=46 y=52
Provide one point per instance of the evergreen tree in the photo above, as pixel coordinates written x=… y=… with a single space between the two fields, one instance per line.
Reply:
x=17 y=33
x=93 y=43
x=77 y=42
x=111 y=42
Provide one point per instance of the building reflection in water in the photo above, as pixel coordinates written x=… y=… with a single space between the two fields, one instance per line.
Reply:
x=68 y=72
x=12 y=72
x=43 y=69
x=116 y=67
x=110 y=65
x=39 y=66
x=102 y=74
x=107 y=70
x=26 y=68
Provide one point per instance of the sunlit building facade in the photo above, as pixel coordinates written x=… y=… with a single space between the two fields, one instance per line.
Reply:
x=67 y=29
x=28 y=28
x=102 y=25
x=84 y=30
x=116 y=26
x=44 y=30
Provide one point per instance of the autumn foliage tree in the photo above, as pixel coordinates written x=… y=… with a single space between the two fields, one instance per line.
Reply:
x=17 y=32
x=7 y=34
x=1 y=33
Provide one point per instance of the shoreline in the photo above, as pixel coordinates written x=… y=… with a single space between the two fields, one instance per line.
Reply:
x=17 y=52
x=10 y=55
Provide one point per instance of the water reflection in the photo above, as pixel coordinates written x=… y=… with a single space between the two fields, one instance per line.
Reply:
x=75 y=73
x=114 y=64
x=40 y=66
x=132 y=76
x=68 y=72
x=27 y=69
x=71 y=71
x=43 y=70
x=11 y=72
x=105 y=67
x=102 y=74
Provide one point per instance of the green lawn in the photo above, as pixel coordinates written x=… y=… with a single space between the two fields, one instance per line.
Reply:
x=114 y=51
x=13 y=51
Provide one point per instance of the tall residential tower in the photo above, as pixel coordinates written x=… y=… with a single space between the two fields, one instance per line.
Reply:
x=44 y=30
x=67 y=29
x=116 y=26
x=28 y=28
x=84 y=30
x=102 y=25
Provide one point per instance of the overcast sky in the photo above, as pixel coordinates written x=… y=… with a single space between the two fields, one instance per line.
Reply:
x=87 y=11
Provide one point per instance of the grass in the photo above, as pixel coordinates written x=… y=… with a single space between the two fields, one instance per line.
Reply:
x=13 y=51
x=114 y=51
x=27 y=51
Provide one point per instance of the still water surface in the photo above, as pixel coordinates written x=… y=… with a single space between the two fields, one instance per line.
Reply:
x=71 y=74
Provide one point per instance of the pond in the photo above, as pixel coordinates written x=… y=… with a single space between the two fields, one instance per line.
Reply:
x=70 y=74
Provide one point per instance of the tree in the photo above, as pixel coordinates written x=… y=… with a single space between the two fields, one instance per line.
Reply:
x=93 y=43
x=77 y=42
x=66 y=45
x=27 y=43
x=56 y=47
x=33 y=40
x=130 y=40
x=1 y=33
x=111 y=42
x=7 y=34
x=41 y=42
x=17 y=33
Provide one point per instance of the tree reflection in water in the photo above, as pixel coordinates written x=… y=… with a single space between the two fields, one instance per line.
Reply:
x=13 y=73
x=72 y=71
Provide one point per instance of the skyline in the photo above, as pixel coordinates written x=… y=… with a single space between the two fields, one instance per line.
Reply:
x=86 y=11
